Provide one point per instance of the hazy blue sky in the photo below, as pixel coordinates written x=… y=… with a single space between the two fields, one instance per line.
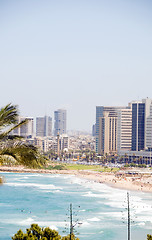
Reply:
x=75 y=55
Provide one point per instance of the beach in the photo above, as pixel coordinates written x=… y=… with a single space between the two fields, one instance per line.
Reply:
x=134 y=179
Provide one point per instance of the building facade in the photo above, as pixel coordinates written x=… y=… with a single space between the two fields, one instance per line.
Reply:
x=112 y=113
x=60 y=122
x=138 y=126
x=124 y=129
x=107 y=141
x=26 y=130
x=44 y=126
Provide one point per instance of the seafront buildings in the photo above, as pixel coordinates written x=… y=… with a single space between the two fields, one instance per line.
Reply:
x=107 y=141
x=102 y=120
x=119 y=131
x=126 y=131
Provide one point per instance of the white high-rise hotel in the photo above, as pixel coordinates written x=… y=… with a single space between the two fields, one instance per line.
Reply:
x=124 y=129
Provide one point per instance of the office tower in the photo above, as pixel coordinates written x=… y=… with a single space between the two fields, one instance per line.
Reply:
x=44 y=126
x=138 y=126
x=141 y=124
x=124 y=129
x=148 y=122
x=25 y=130
x=60 y=122
x=107 y=141
x=99 y=113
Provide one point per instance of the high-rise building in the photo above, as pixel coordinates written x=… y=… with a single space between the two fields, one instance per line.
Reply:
x=138 y=126
x=44 y=126
x=141 y=124
x=107 y=140
x=124 y=129
x=112 y=112
x=60 y=119
x=148 y=122
x=99 y=113
x=25 y=130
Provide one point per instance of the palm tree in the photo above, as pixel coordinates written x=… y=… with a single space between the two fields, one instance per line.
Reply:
x=13 y=149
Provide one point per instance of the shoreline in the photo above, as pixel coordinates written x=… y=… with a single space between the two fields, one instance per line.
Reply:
x=142 y=182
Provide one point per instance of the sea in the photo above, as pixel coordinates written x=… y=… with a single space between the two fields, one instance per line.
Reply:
x=98 y=211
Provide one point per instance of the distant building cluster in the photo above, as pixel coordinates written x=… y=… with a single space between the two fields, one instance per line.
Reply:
x=40 y=133
x=124 y=130
x=43 y=125
x=43 y=136
x=82 y=142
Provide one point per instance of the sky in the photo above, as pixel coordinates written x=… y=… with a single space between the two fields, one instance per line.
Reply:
x=76 y=55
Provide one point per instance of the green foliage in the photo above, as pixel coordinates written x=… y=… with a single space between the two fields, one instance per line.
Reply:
x=90 y=167
x=57 y=167
x=142 y=165
x=8 y=115
x=37 y=233
x=68 y=237
x=135 y=165
x=149 y=237
x=13 y=150
x=126 y=165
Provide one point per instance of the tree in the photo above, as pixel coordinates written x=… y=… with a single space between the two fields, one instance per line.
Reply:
x=37 y=233
x=149 y=237
x=12 y=148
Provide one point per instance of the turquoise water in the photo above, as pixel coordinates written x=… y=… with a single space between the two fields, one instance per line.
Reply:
x=45 y=199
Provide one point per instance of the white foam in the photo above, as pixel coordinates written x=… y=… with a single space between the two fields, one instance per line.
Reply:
x=95 y=219
x=27 y=221
x=40 y=186
x=90 y=194
x=85 y=224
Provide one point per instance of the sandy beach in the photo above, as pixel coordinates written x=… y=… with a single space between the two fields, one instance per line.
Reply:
x=129 y=179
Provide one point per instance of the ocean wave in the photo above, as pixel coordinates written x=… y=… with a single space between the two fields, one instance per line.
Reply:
x=90 y=194
x=35 y=185
x=94 y=219
x=29 y=221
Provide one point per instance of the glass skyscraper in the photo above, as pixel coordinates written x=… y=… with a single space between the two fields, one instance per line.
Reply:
x=138 y=126
x=60 y=121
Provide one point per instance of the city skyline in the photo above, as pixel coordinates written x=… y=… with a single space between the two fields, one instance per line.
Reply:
x=74 y=55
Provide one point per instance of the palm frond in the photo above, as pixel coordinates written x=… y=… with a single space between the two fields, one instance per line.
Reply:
x=5 y=134
x=8 y=115
x=10 y=145
x=24 y=154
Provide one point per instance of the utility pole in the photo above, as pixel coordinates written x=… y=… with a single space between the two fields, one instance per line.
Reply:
x=128 y=216
x=71 y=223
